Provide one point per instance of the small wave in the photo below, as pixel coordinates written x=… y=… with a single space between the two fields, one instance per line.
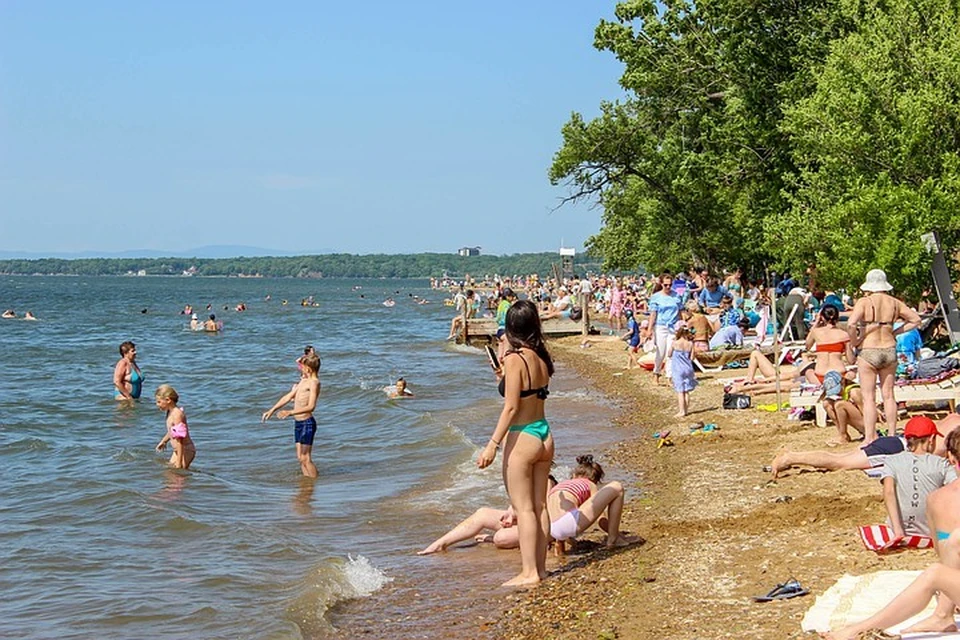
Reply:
x=26 y=444
x=364 y=578
x=337 y=581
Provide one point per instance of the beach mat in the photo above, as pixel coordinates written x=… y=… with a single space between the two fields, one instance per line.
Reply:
x=880 y=538
x=855 y=598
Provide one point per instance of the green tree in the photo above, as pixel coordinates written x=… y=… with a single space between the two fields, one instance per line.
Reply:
x=876 y=144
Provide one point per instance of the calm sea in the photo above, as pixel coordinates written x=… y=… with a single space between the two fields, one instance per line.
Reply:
x=98 y=538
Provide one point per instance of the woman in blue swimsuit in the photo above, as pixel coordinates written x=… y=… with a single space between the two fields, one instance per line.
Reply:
x=127 y=378
x=525 y=435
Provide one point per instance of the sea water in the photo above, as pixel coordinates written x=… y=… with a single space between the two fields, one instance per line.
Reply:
x=99 y=538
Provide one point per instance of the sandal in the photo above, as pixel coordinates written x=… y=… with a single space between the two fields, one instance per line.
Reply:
x=877 y=634
x=789 y=589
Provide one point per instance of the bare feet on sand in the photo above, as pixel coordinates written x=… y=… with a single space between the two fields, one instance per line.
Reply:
x=933 y=624
x=624 y=541
x=433 y=548
x=679 y=414
x=523 y=582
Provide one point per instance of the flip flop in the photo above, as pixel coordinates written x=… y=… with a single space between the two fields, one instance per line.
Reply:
x=789 y=589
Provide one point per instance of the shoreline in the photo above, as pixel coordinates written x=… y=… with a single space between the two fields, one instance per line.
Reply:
x=717 y=529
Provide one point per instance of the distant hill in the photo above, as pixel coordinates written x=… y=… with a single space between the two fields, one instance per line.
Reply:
x=209 y=251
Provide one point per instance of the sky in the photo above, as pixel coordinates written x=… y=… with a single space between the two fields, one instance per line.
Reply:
x=357 y=127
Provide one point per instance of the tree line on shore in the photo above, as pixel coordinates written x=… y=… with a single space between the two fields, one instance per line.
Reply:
x=779 y=135
x=337 y=265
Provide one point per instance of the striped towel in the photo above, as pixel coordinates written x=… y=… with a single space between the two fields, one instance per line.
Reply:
x=880 y=538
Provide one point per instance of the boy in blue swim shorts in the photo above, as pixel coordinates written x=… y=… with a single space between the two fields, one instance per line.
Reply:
x=304 y=395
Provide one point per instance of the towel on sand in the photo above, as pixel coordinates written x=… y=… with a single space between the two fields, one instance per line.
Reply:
x=855 y=598
x=880 y=538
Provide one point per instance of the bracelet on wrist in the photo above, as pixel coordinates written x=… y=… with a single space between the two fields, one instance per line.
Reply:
x=495 y=443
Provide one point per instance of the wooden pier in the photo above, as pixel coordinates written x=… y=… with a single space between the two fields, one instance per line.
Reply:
x=481 y=331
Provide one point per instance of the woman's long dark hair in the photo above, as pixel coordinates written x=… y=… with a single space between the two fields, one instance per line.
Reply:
x=523 y=330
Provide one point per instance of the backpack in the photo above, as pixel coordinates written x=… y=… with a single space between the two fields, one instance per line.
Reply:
x=736 y=401
x=576 y=313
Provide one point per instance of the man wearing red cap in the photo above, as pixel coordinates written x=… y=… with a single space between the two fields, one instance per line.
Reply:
x=870 y=456
x=909 y=477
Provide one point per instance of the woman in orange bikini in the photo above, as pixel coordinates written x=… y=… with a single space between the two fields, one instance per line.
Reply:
x=871 y=330
x=833 y=351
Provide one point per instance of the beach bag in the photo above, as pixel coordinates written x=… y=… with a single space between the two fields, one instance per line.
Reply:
x=736 y=401
x=576 y=313
x=932 y=367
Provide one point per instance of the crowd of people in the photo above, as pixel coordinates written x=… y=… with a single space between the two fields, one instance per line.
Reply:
x=853 y=351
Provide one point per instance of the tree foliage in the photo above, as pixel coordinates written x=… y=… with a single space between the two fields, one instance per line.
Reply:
x=782 y=134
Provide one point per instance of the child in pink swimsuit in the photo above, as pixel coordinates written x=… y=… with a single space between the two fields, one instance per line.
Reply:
x=575 y=504
x=178 y=433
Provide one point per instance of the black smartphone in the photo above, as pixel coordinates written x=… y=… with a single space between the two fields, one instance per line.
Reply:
x=492 y=356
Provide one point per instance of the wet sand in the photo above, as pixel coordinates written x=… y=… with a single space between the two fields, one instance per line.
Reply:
x=717 y=529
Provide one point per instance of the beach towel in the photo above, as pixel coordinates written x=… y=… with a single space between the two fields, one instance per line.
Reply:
x=880 y=538
x=855 y=598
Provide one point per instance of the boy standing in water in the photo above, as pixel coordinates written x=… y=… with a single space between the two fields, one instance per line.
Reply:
x=304 y=395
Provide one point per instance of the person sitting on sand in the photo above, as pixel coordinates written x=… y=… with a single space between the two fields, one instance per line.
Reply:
x=943 y=516
x=909 y=477
x=730 y=336
x=700 y=325
x=503 y=523
x=574 y=505
x=869 y=456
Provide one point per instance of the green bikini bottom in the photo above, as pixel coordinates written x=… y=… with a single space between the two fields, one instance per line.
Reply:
x=540 y=429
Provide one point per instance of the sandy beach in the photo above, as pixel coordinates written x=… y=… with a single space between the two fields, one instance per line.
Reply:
x=717 y=530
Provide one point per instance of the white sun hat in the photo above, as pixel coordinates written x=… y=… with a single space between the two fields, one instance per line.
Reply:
x=876 y=281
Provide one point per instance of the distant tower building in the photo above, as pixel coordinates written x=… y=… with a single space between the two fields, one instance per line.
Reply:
x=566 y=261
x=468 y=251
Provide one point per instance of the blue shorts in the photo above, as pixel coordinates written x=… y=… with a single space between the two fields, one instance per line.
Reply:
x=304 y=430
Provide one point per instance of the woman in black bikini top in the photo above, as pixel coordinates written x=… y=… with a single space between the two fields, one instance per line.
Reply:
x=540 y=392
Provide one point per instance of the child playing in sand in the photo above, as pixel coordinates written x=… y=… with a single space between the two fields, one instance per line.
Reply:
x=304 y=395
x=178 y=433
x=681 y=363
x=575 y=504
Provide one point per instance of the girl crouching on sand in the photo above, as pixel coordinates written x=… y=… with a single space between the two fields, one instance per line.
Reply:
x=178 y=433
x=575 y=504
x=681 y=364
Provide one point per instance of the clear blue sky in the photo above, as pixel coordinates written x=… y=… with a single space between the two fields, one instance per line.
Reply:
x=361 y=127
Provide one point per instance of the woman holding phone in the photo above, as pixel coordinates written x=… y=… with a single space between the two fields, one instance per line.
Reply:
x=525 y=370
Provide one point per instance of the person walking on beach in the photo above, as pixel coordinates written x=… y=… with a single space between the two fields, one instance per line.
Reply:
x=681 y=363
x=871 y=327
x=525 y=435
x=664 y=308
x=126 y=375
x=178 y=433
x=304 y=395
